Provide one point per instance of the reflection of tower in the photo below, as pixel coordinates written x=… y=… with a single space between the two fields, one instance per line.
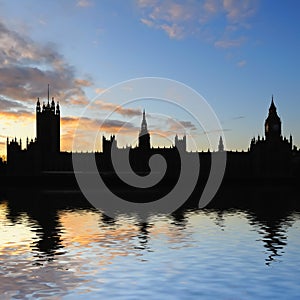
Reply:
x=272 y=225
x=143 y=235
x=273 y=124
x=144 y=136
x=48 y=127
x=42 y=211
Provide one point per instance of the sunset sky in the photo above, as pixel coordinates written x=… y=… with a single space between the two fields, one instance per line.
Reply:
x=235 y=53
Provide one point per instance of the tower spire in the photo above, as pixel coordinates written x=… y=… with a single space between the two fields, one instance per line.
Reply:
x=221 y=144
x=272 y=106
x=48 y=93
x=144 y=128
x=144 y=136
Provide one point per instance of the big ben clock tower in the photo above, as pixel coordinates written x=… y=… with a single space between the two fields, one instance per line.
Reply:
x=273 y=124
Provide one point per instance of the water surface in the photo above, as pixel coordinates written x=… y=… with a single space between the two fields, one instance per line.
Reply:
x=55 y=246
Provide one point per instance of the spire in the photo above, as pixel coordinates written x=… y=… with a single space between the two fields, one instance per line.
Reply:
x=272 y=106
x=144 y=136
x=48 y=94
x=144 y=124
x=221 y=145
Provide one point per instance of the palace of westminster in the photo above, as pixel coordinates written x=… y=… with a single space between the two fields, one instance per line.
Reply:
x=270 y=156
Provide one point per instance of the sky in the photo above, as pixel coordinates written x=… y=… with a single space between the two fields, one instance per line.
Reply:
x=235 y=53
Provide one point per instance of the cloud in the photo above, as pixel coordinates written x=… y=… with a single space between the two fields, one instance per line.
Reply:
x=85 y=129
x=171 y=17
x=112 y=107
x=27 y=67
x=191 y=18
x=20 y=116
x=241 y=63
x=100 y=90
x=227 y=43
x=84 y=3
x=176 y=126
x=174 y=31
x=239 y=10
x=7 y=105
x=169 y=127
x=82 y=82
x=217 y=131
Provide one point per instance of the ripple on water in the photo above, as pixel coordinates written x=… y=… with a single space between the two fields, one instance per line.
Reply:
x=80 y=253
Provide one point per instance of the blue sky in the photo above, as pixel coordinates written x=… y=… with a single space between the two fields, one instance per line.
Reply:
x=235 y=53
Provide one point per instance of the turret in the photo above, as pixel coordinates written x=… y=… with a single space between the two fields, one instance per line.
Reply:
x=53 y=105
x=38 y=106
x=57 y=109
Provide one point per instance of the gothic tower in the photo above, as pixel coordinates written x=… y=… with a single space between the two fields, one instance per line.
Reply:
x=272 y=156
x=144 y=136
x=273 y=124
x=221 y=145
x=48 y=127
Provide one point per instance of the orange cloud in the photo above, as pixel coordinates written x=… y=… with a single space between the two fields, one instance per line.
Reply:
x=83 y=82
x=20 y=116
x=87 y=128
x=99 y=90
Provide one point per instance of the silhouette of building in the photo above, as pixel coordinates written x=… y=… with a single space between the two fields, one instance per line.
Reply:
x=221 y=145
x=43 y=152
x=48 y=127
x=144 y=136
x=180 y=143
x=109 y=144
x=271 y=156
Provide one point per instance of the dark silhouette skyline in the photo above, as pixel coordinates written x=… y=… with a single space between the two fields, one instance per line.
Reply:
x=270 y=156
x=270 y=166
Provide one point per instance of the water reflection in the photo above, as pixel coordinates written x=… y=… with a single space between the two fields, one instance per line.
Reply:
x=53 y=243
x=273 y=226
